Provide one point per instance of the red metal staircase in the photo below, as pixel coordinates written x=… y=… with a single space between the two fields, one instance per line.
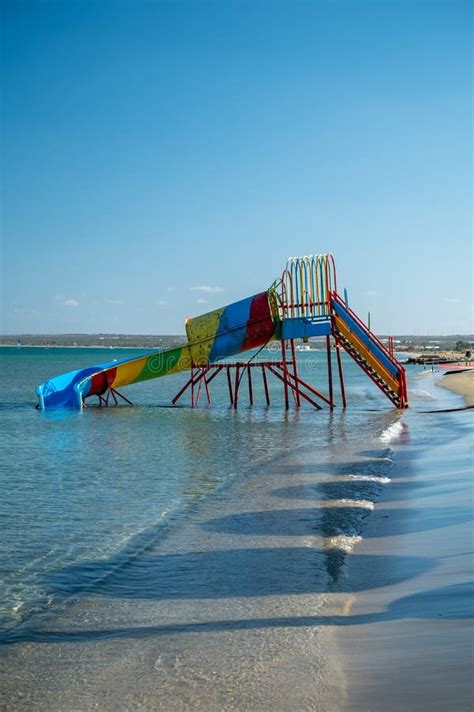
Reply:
x=368 y=352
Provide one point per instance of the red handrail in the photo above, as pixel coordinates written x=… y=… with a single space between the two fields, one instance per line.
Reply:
x=359 y=321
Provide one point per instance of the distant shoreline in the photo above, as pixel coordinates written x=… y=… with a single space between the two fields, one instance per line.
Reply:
x=430 y=349
x=79 y=346
x=111 y=347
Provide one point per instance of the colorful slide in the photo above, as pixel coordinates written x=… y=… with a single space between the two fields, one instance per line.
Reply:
x=302 y=304
x=225 y=332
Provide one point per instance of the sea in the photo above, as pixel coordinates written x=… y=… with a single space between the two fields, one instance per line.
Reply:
x=228 y=507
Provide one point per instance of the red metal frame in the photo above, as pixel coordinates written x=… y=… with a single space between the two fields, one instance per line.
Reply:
x=341 y=374
x=288 y=383
x=237 y=384
x=310 y=388
x=285 y=370
x=249 y=378
x=265 y=385
x=105 y=397
x=295 y=374
x=330 y=386
x=229 y=382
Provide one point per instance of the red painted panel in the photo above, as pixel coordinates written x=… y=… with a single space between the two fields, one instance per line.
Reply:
x=101 y=381
x=260 y=325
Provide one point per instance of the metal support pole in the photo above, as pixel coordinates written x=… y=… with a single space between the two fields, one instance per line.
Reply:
x=120 y=395
x=265 y=385
x=249 y=377
x=229 y=383
x=295 y=374
x=216 y=371
x=199 y=382
x=206 y=385
x=341 y=375
x=237 y=384
x=185 y=387
x=303 y=395
x=303 y=384
x=285 y=372
x=331 y=394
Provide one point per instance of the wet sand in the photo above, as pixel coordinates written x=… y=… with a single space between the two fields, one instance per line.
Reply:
x=461 y=383
x=409 y=645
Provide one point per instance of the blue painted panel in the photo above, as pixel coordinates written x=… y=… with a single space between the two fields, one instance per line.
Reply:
x=231 y=330
x=64 y=391
x=303 y=327
x=366 y=339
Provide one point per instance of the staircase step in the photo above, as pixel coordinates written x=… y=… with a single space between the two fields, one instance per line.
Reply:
x=393 y=395
x=363 y=348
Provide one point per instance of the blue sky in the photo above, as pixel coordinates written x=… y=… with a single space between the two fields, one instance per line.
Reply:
x=164 y=158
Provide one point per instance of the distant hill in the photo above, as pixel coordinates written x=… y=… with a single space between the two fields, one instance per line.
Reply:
x=141 y=341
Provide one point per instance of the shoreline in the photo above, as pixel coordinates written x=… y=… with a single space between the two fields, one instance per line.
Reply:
x=410 y=630
x=460 y=383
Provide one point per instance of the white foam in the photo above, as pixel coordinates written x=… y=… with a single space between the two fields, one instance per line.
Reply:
x=392 y=432
x=343 y=542
x=422 y=395
x=371 y=478
x=361 y=503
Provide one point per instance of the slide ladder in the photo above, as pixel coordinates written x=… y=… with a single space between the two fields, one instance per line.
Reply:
x=368 y=352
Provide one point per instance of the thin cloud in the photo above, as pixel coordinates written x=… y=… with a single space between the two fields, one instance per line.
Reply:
x=371 y=293
x=207 y=288
x=71 y=303
x=162 y=302
x=452 y=300
x=28 y=312
x=202 y=301
x=115 y=301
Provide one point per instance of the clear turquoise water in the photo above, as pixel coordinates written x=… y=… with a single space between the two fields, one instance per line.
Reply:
x=103 y=485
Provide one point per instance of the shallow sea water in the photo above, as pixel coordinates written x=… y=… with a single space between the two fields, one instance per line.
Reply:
x=164 y=545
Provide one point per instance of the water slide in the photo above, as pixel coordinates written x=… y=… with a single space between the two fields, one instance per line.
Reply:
x=303 y=303
x=224 y=332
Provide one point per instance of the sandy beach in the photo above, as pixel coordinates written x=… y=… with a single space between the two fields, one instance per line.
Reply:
x=461 y=383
